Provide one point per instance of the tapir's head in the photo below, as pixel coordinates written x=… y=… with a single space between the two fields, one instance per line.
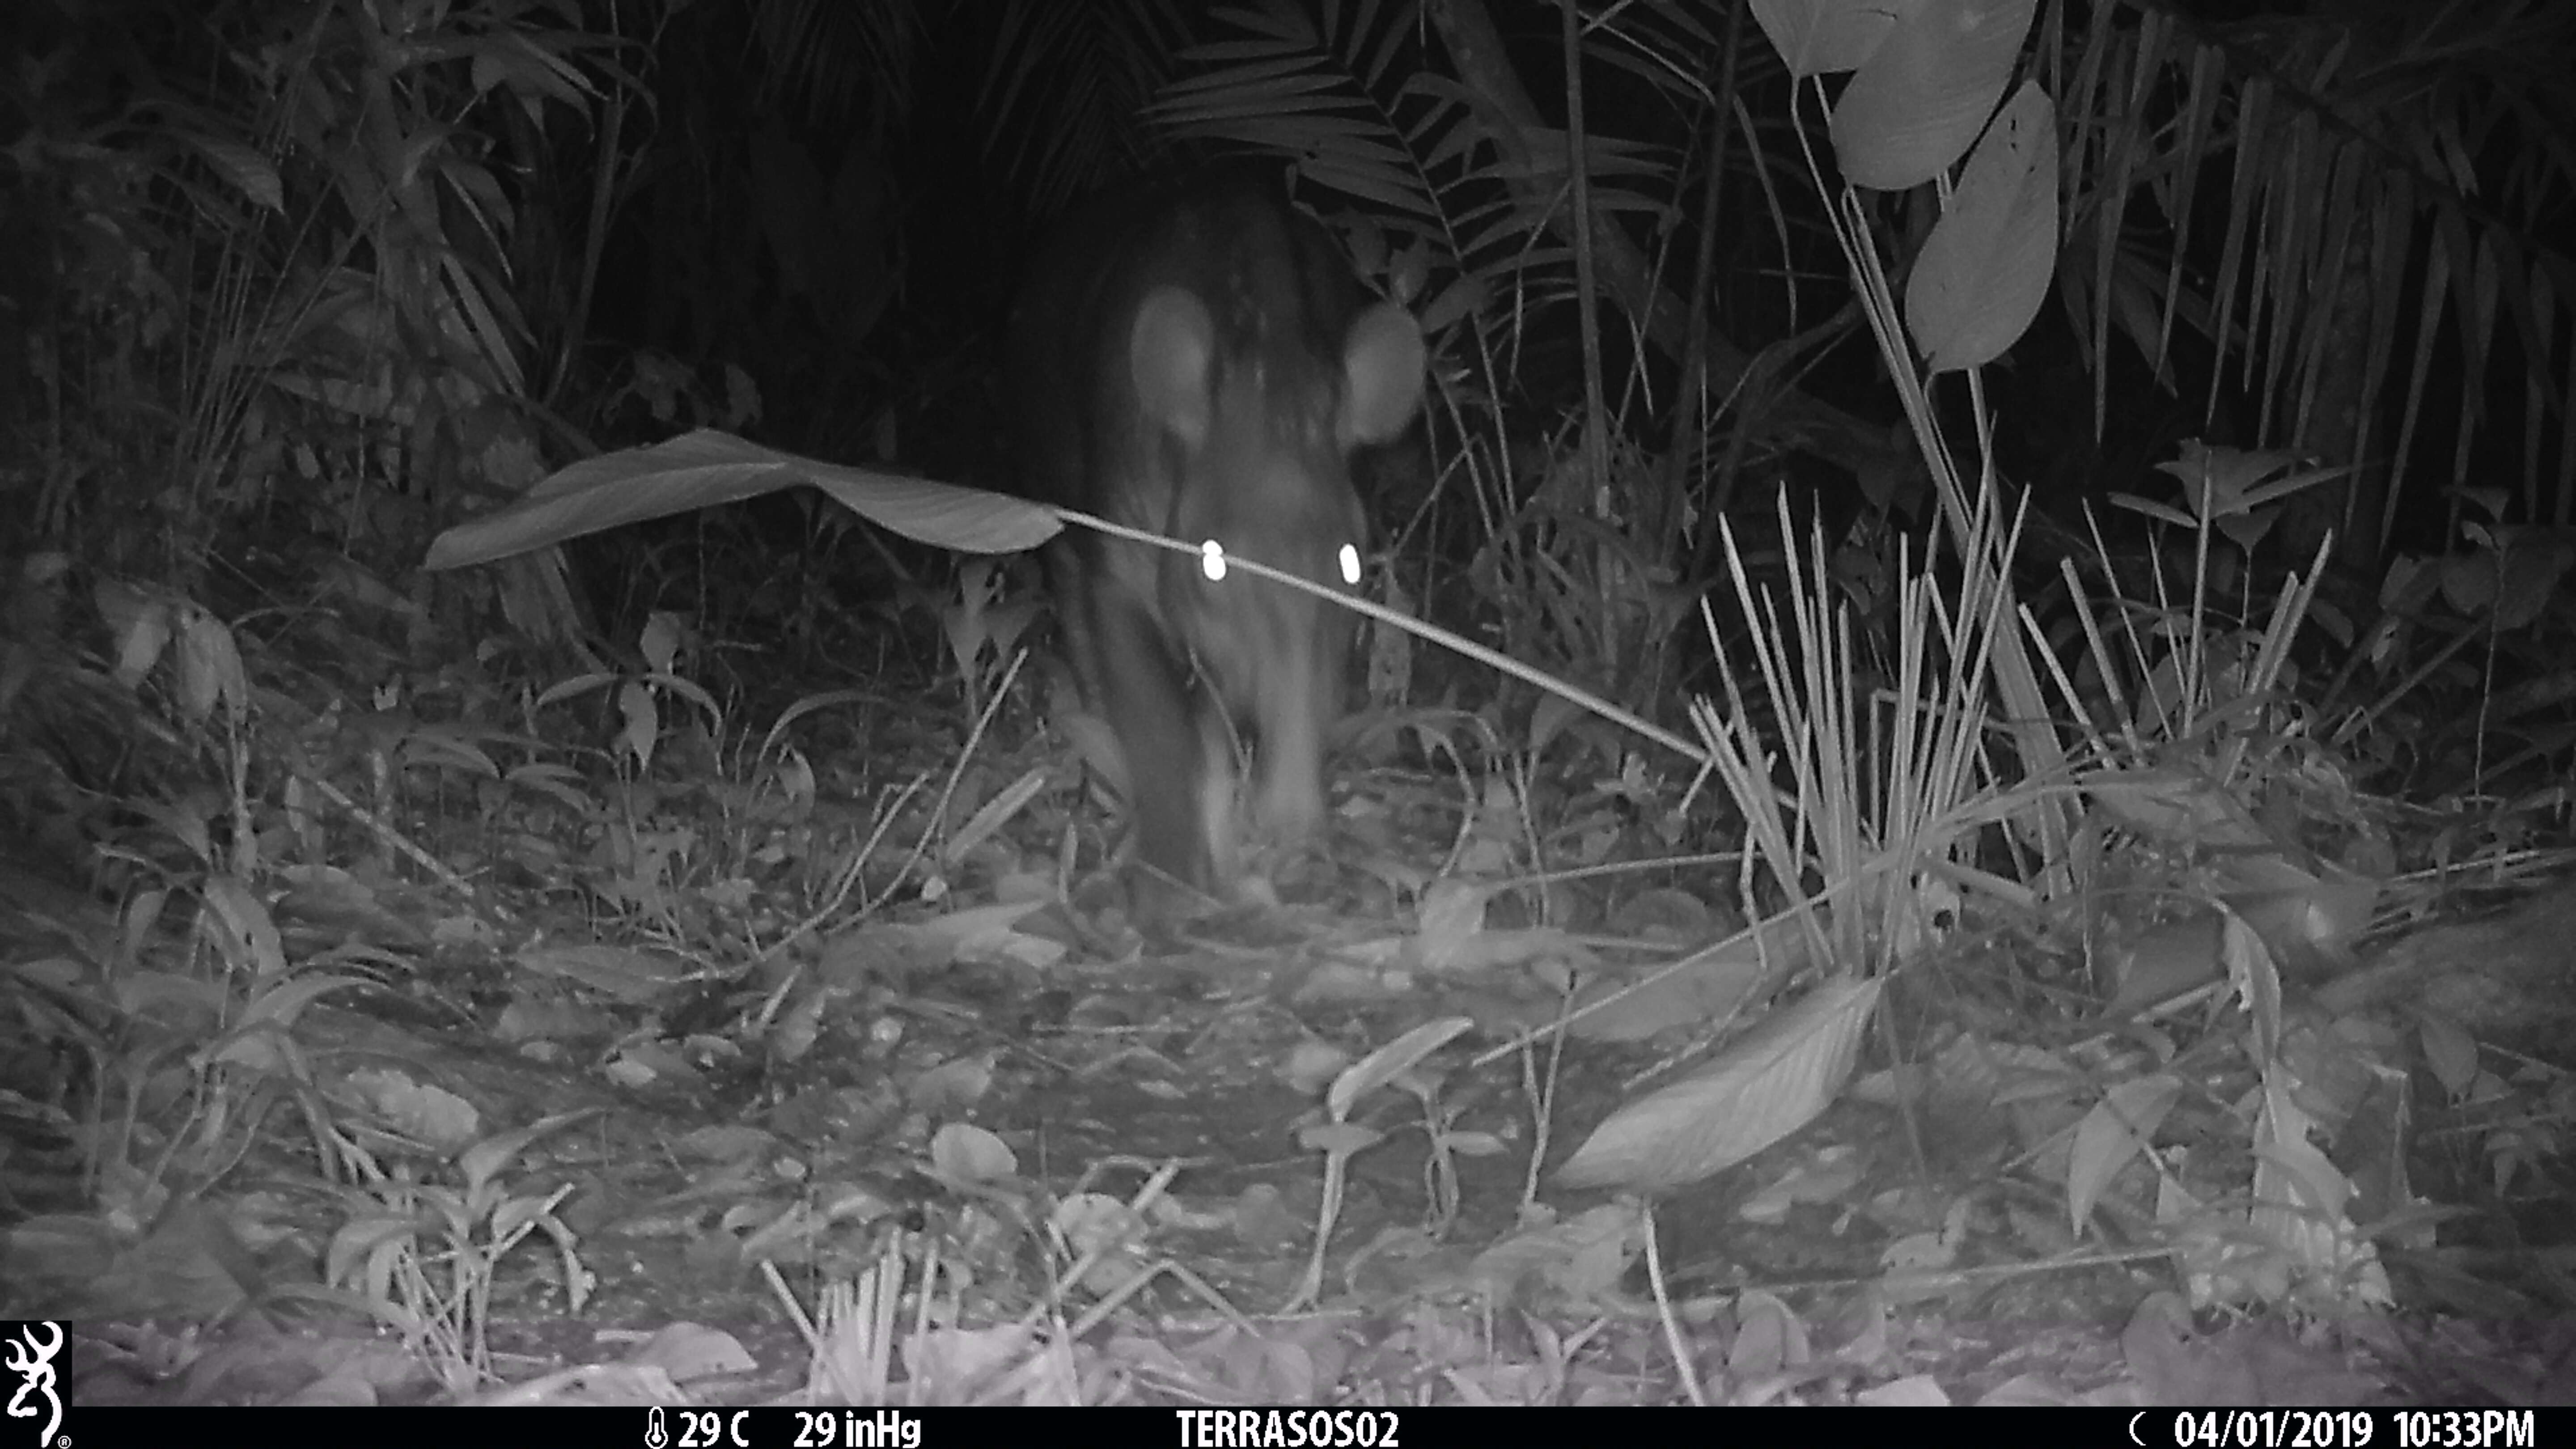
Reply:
x=1262 y=417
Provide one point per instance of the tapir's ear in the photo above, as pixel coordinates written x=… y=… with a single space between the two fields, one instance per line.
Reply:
x=1382 y=382
x=1169 y=355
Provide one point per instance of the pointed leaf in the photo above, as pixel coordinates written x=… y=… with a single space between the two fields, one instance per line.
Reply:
x=480 y=1162
x=2114 y=1132
x=707 y=467
x=1390 y=1061
x=1987 y=264
x=1765 y=1085
x=1927 y=90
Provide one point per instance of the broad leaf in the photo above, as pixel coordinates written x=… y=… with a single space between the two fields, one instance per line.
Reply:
x=1762 y=1087
x=706 y=468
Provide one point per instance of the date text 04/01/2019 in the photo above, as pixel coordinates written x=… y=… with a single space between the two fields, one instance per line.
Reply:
x=2345 y=1429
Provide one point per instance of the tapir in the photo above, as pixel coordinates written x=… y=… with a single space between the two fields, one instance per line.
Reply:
x=1194 y=357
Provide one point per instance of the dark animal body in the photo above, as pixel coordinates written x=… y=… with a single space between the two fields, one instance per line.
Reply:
x=1194 y=358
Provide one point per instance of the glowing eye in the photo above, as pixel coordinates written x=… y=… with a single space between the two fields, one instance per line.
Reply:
x=1350 y=561
x=1212 y=560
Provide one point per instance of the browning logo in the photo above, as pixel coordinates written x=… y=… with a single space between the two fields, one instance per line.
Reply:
x=27 y=1352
